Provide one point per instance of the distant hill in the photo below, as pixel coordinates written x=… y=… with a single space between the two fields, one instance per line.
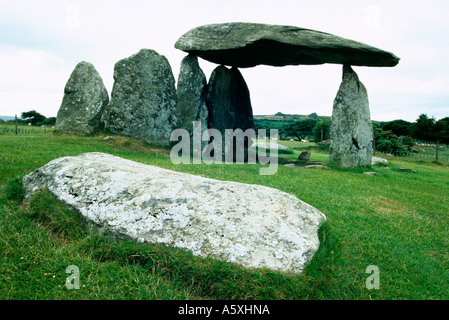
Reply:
x=7 y=118
x=280 y=119
x=290 y=117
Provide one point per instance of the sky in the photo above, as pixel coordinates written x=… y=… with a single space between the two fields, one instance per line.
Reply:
x=42 y=41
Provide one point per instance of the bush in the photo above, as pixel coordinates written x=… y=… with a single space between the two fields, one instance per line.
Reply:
x=388 y=142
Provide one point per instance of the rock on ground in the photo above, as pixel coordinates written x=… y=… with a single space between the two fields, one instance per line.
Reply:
x=85 y=98
x=305 y=156
x=143 y=99
x=246 y=45
x=376 y=160
x=351 y=132
x=270 y=145
x=251 y=225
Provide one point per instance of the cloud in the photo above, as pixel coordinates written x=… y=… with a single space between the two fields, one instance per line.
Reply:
x=34 y=79
x=45 y=39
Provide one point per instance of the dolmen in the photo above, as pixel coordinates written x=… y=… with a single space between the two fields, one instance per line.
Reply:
x=145 y=103
x=246 y=45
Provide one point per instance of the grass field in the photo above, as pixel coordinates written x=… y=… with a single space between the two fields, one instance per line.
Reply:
x=397 y=221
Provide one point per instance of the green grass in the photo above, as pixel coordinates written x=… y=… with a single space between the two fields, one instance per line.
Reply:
x=398 y=221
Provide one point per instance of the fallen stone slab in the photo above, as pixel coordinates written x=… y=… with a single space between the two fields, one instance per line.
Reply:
x=376 y=160
x=251 y=225
x=371 y=174
x=270 y=145
x=246 y=45
x=315 y=166
x=406 y=170
x=109 y=138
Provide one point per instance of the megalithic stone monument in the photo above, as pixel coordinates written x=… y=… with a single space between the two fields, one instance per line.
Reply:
x=143 y=99
x=246 y=45
x=85 y=98
x=191 y=106
x=229 y=105
x=351 y=131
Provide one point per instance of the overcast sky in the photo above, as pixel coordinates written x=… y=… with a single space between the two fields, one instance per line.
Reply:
x=42 y=41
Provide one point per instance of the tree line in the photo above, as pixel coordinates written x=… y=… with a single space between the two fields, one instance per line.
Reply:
x=395 y=137
x=398 y=136
x=35 y=118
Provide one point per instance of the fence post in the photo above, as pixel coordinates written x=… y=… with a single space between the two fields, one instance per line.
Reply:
x=438 y=147
x=16 y=126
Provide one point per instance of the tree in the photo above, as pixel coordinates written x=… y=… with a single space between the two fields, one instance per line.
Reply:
x=388 y=142
x=424 y=128
x=33 y=117
x=321 y=130
x=442 y=130
x=398 y=127
x=51 y=121
x=299 y=129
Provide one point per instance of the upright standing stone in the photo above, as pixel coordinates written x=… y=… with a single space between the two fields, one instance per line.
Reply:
x=85 y=98
x=229 y=104
x=219 y=99
x=243 y=110
x=351 y=131
x=192 y=90
x=143 y=99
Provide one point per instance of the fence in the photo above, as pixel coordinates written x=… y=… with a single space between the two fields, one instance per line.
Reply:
x=428 y=150
x=23 y=130
x=428 y=156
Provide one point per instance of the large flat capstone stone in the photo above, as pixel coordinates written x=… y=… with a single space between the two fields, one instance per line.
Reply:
x=254 y=226
x=246 y=45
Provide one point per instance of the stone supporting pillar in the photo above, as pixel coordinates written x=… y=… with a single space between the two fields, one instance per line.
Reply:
x=192 y=90
x=229 y=104
x=351 y=131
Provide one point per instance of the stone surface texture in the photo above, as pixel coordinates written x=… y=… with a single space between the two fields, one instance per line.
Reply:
x=229 y=104
x=191 y=91
x=85 y=98
x=228 y=100
x=143 y=99
x=351 y=132
x=246 y=45
x=305 y=156
x=251 y=225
